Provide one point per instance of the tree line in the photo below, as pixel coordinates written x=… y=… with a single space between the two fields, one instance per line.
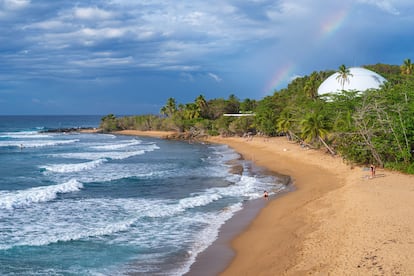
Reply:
x=376 y=126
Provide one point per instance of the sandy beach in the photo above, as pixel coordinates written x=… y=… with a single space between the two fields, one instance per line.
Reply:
x=338 y=221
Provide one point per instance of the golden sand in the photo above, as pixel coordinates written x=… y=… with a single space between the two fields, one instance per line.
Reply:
x=339 y=221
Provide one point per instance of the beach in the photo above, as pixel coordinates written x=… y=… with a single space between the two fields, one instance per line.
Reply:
x=337 y=221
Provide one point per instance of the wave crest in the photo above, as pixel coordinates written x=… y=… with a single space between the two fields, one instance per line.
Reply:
x=25 y=198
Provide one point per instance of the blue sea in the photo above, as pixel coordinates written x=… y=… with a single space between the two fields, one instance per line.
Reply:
x=103 y=204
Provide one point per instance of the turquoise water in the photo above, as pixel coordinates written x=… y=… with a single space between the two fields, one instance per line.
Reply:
x=101 y=204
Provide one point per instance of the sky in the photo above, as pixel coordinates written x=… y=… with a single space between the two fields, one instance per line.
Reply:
x=129 y=56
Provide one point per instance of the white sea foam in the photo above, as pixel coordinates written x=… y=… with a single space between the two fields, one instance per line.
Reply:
x=25 y=198
x=69 y=220
x=41 y=235
x=119 y=145
x=208 y=235
x=36 y=143
x=223 y=153
x=24 y=135
x=91 y=218
x=200 y=200
x=68 y=168
x=117 y=155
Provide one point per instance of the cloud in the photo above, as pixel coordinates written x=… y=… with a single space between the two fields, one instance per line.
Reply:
x=251 y=44
x=103 y=62
x=214 y=77
x=14 y=4
x=92 y=13
x=384 y=5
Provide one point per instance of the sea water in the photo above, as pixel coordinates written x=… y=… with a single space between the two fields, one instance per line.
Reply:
x=103 y=204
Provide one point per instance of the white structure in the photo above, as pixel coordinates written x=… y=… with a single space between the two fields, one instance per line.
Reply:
x=241 y=114
x=359 y=79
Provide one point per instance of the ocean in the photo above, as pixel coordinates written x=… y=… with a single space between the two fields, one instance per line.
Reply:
x=103 y=204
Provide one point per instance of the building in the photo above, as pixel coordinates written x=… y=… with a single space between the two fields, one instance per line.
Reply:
x=359 y=79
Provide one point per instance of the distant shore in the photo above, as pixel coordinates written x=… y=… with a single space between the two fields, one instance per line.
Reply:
x=338 y=221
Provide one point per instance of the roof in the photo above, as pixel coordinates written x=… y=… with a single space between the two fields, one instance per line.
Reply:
x=360 y=79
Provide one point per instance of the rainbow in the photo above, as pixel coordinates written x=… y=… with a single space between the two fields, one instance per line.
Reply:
x=329 y=27
x=281 y=76
x=333 y=24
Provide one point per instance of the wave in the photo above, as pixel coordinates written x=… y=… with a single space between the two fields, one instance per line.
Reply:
x=25 y=198
x=24 y=135
x=36 y=143
x=207 y=236
x=223 y=153
x=118 y=145
x=71 y=220
x=200 y=200
x=51 y=236
x=116 y=155
x=66 y=168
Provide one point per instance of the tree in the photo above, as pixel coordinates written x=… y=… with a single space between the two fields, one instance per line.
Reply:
x=311 y=85
x=248 y=105
x=202 y=106
x=216 y=108
x=266 y=115
x=191 y=111
x=232 y=104
x=407 y=68
x=343 y=75
x=285 y=124
x=313 y=128
x=170 y=108
x=109 y=123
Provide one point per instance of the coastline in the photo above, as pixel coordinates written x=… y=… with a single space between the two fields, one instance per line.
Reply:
x=338 y=221
x=271 y=243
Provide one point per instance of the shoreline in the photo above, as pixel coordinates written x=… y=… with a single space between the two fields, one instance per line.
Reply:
x=220 y=251
x=337 y=221
x=269 y=245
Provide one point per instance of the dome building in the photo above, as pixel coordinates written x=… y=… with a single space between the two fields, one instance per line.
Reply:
x=359 y=79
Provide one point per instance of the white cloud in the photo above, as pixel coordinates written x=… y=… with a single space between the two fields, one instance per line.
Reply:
x=99 y=62
x=48 y=25
x=214 y=77
x=14 y=4
x=105 y=33
x=195 y=36
x=92 y=13
x=384 y=5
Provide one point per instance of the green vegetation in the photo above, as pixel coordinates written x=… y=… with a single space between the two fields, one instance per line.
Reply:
x=376 y=126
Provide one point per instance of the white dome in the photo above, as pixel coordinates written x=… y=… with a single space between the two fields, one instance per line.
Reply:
x=360 y=79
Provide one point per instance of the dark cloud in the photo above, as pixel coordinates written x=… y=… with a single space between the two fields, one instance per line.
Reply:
x=55 y=49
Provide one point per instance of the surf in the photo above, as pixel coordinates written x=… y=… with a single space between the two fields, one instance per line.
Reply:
x=26 y=198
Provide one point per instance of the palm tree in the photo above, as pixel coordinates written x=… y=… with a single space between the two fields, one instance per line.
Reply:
x=343 y=75
x=313 y=128
x=202 y=105
x=285 y=124
x=311 y=86
x=407 y=68
x=170 y=108
x=191 y=111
